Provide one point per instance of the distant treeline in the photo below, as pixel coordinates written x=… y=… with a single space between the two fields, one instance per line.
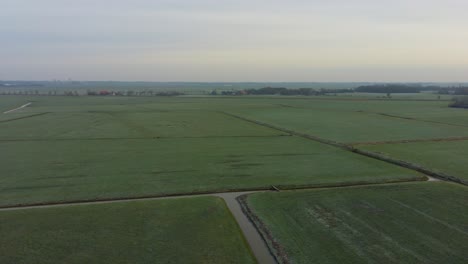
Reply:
x=376 y=88
x=283 y=91
x=132 y=93
x=91 y=93
x=392 y=88
x=406 y=88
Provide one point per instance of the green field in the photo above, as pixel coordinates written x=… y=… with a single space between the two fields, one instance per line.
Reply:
x=187 y=230
x=446 y=157
x=170 y=146
x=397 y=223
x=361 y=122
x=64 y=170
x=69 y=149
x=129 y=124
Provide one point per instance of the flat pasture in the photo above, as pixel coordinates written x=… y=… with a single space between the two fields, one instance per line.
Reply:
x=107 y=150
x=95 y=148
x=185 y=230
x=127 y=124
x=37 y=171
x=394 y=223
x=354 y=126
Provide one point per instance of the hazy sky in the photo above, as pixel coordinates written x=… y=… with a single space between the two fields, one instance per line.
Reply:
x=239 y=40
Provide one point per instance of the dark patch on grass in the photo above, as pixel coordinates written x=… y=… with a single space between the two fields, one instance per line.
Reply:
x=171 y=171
x=242 y=165
x=230 y=161
x=242 y=175
x=325 y=216
x=285 y=105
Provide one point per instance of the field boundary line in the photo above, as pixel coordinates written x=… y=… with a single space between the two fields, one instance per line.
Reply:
x=410 y=141
x=204 y=193
x=401 y=163
x=24 y=117
x=18 y=108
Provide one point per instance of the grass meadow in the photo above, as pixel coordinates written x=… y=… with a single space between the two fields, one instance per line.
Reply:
x=78 y=151
x=184 y=230
x=94 y=148
x=362 y=123
x=395 y=223
x=446 y=157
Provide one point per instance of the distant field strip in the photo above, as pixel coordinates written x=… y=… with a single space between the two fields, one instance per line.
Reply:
x=348 y=124
x=418 y=120
x=62 y=125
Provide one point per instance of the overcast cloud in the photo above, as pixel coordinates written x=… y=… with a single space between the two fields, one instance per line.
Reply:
x=208 y=40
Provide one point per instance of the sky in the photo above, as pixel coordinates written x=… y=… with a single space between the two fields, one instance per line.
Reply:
x=235 y=41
